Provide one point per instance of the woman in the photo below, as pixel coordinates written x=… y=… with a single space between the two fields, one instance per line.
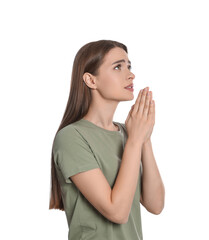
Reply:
x=96 y=174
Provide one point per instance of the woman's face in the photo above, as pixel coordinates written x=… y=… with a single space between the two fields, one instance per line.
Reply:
x=114 y=77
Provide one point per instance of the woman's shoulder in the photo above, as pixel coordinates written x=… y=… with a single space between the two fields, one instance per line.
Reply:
x=66 y=131
x=67 y=134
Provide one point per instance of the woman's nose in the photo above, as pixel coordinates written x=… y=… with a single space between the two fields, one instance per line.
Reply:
x=131 y=75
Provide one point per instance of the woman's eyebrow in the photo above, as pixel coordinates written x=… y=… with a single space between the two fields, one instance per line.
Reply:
x=122 y=60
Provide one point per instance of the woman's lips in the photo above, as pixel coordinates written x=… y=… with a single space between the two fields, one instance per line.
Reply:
x=130 y=89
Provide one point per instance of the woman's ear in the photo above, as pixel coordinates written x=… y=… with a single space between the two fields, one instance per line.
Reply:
x=89 y=80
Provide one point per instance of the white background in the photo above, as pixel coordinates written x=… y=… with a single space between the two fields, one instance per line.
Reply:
x=168 y=47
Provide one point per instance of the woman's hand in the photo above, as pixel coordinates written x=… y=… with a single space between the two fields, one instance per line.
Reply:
x=141 y=118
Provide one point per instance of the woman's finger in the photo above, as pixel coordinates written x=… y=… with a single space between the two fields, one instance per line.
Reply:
x=142 y=101
x=136 y=105
x=146 y=105
x=129 y=114
x=151 y=113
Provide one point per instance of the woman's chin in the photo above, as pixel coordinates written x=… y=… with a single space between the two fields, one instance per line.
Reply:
x=128 y=98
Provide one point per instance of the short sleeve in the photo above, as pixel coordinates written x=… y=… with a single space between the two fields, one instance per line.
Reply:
x=72 y=153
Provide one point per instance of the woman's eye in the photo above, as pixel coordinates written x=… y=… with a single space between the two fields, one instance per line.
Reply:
x=119 y=66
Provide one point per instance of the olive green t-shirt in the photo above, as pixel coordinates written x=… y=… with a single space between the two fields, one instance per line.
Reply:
x=79 y=147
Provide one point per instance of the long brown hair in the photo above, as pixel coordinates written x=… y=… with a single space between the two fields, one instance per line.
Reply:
x=88 y=59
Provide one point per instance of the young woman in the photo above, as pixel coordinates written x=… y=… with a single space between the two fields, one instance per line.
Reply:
x=102 y=170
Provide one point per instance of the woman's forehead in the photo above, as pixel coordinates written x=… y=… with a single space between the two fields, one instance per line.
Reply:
x=115 y=55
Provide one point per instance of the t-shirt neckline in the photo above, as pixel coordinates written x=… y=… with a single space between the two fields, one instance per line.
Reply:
x=100 y=128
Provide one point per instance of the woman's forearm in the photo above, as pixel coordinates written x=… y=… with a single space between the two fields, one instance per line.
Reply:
x=153 y=191
x=125 y=185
